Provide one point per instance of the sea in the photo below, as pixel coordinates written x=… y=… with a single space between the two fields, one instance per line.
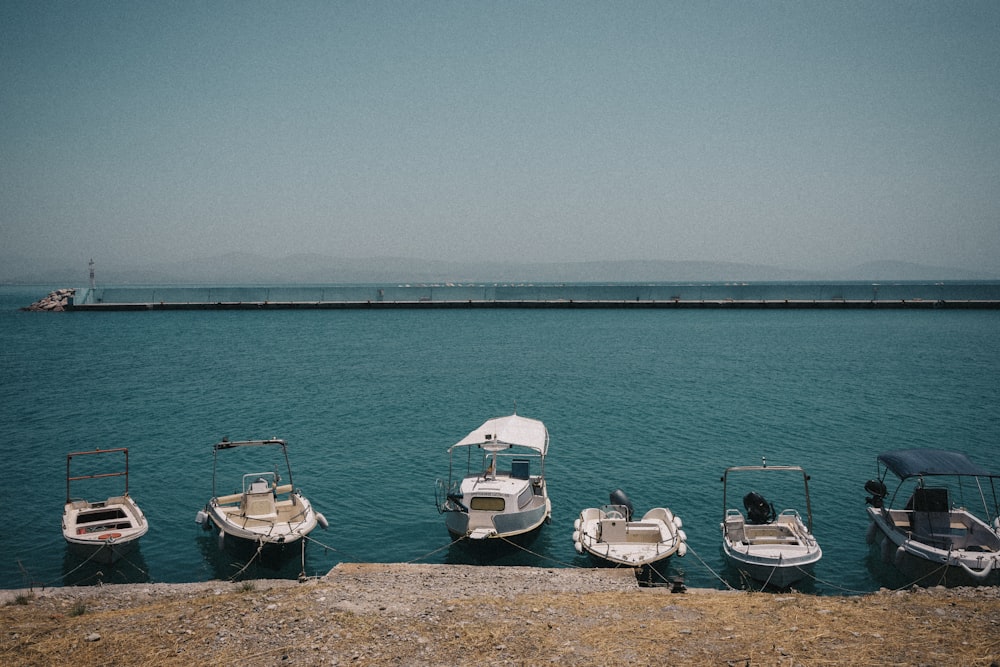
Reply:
x=657 y=403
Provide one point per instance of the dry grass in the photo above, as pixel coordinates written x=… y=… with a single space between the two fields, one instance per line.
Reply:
x=645 y=627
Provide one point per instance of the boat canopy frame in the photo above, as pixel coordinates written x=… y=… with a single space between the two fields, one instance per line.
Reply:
x=226 y=443
x=121 y=473
x=769 y=468
x=907 y=464
x=512 y=436
x=502 y=433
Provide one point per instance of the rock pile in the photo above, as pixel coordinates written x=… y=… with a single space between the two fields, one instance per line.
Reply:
x=55 y=302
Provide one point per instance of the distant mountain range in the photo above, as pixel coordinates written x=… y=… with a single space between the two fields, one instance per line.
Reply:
x=239 y=269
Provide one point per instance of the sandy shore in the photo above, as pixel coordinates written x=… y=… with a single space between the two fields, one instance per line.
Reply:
x=392 y=614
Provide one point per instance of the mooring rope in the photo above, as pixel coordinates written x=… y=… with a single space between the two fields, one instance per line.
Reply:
x=431 y=553
x=334 y=549
x=260 y=548
x=87 y=560
x=538 y=555
x=773 y=570
x=137 y=568
x=707 y=567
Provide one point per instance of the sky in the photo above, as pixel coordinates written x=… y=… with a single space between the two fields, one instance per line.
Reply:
x=796 y=134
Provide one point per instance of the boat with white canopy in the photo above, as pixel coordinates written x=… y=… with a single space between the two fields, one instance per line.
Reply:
x=500 y=494
x=932 y=537
x=775 y=549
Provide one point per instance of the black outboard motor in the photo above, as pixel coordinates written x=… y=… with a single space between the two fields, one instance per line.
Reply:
x=878 y=491
x=758 y=509
x=618 y=497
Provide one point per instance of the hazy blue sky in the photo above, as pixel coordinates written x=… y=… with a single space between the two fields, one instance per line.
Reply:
x=802 y=134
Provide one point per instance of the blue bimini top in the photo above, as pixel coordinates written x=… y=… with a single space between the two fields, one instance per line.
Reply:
x=906 y=463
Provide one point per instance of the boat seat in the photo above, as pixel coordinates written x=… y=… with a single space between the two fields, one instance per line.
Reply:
x=613 y=530
x=642 y=534
x=934 y=527
x=260 y=505
x=769 y=530
x=259 y=486
x=775 y=539
x=736 y=533
x=929 y=499
x=735 y=528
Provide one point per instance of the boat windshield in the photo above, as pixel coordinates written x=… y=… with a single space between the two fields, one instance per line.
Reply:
x=487 y=504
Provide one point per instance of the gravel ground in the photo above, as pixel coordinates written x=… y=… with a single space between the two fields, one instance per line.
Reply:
x=392 y=614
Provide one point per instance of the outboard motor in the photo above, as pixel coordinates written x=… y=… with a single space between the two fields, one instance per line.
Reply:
x=878 y=491
x=758 y=509
x=618 y=497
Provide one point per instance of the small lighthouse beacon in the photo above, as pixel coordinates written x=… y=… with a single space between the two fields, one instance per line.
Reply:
x=91 y=273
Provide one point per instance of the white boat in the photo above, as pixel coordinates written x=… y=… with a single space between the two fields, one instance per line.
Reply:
x=612 y=537
x=776 y=549
x=499 y=496
x=102 y=530
x=265 y=513
x=931 y=537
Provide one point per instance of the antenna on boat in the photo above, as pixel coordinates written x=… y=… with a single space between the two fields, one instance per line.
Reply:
x=515 y=406
x=91 y=265
x=763 y=461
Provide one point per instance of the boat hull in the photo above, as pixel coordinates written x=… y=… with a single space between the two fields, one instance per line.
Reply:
x=514 y=526
x=107 y=553
x=602 y=560
x=775 y=571
x=778 y=554
x=920 y=563
x=103 y=532
x=244 y=533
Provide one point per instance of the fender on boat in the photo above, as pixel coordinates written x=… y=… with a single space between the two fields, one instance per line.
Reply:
x=682 y=536
x=576 y=524
x=678 y=522
x=321 y=520
x=898 y=557
x=979 y=574
x=578 y=547
x=576 y=535
x=887 y=547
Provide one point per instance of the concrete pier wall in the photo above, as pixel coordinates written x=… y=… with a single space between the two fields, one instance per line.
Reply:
x=791 y=295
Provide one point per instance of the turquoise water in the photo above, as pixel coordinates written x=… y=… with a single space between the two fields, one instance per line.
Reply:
x=654 y=402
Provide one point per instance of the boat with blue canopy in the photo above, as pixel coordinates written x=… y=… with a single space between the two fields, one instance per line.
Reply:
x=924 y=528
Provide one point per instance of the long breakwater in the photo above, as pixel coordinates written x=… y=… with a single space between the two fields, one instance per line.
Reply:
x=856 y=295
